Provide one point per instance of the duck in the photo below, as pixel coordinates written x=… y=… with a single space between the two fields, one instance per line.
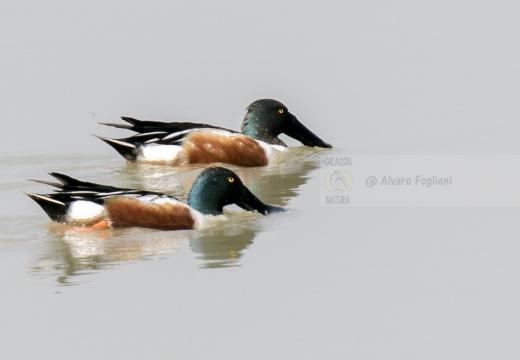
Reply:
x=181 y=143
x=87 y=204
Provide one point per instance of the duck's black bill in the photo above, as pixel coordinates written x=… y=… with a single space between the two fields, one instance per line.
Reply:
x=300 y=132
x=248 y=201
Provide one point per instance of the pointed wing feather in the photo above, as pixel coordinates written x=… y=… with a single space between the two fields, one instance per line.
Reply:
x=72 y=189
x=148 y=126
x=132 y=143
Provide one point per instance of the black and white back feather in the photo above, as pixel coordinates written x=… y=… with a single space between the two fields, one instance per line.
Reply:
x=70 y=190
x=153 y=132
x=164 y=133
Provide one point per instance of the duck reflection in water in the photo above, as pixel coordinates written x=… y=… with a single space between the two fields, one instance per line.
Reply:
x=74 y=251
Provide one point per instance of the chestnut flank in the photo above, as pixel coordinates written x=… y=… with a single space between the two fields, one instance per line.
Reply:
x=125 y=211
x=239 y=150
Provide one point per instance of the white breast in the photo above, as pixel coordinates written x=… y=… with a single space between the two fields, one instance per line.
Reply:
x=271 y=150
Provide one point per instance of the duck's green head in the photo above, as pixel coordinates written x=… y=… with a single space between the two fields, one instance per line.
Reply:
x=266 y=119
x=217 y=187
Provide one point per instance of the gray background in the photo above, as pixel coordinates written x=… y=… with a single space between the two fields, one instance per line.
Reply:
x=370 y=77
x=401 y=77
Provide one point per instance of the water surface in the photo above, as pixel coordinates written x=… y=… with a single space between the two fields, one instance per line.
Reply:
x=68 y=251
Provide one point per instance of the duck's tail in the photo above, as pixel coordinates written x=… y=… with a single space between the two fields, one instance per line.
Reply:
x=127 y=150
x=55 y=209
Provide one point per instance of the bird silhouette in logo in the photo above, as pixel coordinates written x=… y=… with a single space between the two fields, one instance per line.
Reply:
x=338 y=182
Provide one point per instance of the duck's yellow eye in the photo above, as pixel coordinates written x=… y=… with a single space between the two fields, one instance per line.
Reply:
x=230 y=179
x=280 y=111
